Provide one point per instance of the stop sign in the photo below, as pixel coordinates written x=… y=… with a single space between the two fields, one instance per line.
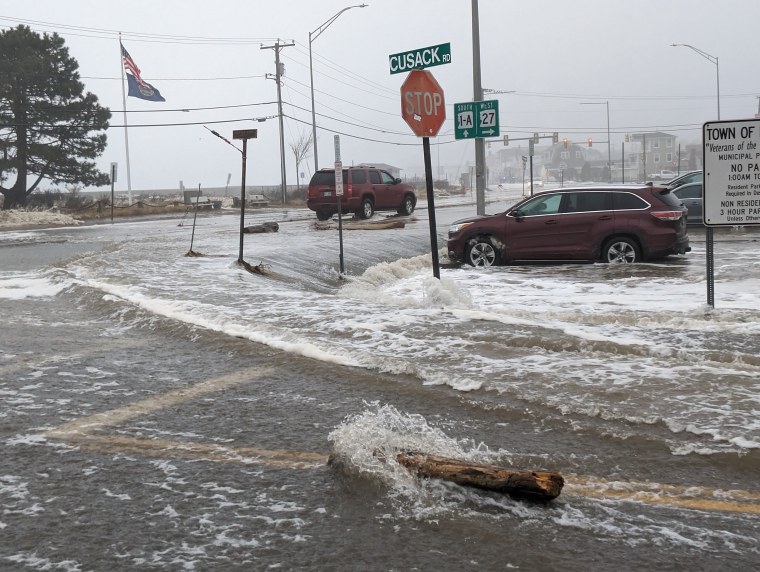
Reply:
x=422 y=105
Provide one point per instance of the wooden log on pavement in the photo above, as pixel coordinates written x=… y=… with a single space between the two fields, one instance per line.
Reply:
x=535 y=485
x=263 y=227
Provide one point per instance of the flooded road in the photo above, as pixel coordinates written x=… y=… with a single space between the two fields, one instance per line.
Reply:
x=166 y=412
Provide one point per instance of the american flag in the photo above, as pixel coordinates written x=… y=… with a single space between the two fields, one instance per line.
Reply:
x=130 y=65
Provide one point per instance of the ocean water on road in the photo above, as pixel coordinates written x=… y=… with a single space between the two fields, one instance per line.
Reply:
x=117 y=348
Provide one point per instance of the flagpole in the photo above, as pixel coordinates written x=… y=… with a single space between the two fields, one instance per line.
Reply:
x=126 y=128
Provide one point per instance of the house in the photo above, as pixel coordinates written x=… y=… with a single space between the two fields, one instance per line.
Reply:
x=656 y=151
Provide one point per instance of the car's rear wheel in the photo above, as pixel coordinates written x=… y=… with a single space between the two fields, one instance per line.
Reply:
x=367 y=209
x=323 y=215
x=621 y=250
x=408 y=207
x=481 y=253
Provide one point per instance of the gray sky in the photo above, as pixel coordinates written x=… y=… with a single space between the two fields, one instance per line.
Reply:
x=554 y=54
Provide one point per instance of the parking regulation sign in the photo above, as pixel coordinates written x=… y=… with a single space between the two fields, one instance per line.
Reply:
x=731 y=188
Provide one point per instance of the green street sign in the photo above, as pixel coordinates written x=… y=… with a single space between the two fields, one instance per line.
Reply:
x=476 y=119
x=420 y=59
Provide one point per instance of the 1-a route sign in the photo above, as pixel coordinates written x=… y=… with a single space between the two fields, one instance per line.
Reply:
x=420 y=58
x=731 y=188
x=422 y=104
x=476 y=119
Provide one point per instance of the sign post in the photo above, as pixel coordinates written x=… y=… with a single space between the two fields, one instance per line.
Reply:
x=424 y=110
x=245 y=135
x=114 y=168
x=731 y=187
x=339 y=195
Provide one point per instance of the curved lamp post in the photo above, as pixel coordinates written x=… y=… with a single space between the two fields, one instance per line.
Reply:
x=313 y=36
x=711 y=59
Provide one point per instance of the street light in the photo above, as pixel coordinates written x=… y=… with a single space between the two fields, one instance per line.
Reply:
x=609 y=148
x=313 y=36
x=711 y=59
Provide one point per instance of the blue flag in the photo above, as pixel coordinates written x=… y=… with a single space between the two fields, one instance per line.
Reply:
x=142 y=89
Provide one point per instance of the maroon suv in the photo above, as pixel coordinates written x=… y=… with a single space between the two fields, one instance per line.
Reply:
x=365 y=190
x=611 y=224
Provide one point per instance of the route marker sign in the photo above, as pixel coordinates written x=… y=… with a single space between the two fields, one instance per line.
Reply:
x=421 y=58
x=422 y=104
x=476 y=119
x=731 y=188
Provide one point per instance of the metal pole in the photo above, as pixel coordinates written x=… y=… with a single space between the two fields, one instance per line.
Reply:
x=431 y=207
x=282 y=132
x=622 y=162
x=126 y=128
x=480 y=145
x=313 y=35
x=609 y=145
x=242 y=201
x=313 y=114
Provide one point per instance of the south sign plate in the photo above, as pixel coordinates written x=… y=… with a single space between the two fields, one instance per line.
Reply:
x=476 y=119
x=731 y=188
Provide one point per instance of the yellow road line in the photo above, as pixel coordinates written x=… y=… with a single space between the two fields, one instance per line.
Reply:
x=693 y=497
x=86 y=425
x=80 y=432
x=164 y=448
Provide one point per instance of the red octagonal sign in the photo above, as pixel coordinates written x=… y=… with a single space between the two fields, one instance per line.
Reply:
x=422 y=105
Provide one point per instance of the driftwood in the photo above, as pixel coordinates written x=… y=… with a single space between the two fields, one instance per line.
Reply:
x=536 y=485
x=263 y=227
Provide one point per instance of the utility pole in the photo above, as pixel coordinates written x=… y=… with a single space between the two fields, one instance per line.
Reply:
x=277 y=47
x=480 y=145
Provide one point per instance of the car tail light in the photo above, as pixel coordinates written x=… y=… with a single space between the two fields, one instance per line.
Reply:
x=667 y=215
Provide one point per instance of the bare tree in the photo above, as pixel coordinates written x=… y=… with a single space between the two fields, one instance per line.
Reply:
x=301 y=151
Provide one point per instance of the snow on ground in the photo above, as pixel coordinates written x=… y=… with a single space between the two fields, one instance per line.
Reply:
x=16 y=218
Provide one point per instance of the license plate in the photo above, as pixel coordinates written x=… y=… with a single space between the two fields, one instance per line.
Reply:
x=328 y=194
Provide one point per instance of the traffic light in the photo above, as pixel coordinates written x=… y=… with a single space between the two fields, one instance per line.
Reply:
x=535 y=138
x=555 y=138
x=506 y=140
x=589 y=142
x=564 y=142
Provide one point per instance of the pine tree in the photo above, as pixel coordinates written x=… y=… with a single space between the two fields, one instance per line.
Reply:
x=49 y=128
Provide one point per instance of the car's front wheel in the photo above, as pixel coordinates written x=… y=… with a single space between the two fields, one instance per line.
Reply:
x=367 y=209
x=621 y=251
x=481 y=253
x=408 y=207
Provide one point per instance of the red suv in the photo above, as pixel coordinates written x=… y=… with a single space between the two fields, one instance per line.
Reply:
x=365 y=190
x=611 y=224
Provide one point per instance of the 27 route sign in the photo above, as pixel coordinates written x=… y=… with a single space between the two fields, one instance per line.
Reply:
x=731 y=188
x=421 y=58
x=476 y=119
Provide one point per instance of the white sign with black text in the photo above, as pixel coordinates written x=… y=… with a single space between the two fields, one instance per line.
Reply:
x=731 y=188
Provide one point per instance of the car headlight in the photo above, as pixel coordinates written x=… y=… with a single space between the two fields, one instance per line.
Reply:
x=454 y=228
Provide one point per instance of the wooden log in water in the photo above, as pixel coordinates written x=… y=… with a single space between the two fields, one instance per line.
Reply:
x=536 y=485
